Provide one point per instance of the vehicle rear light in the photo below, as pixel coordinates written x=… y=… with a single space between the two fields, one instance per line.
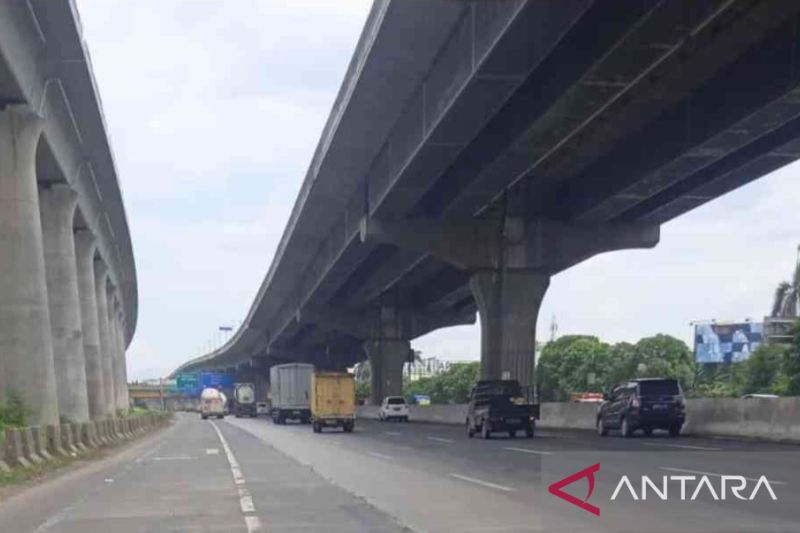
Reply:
x=635 y=401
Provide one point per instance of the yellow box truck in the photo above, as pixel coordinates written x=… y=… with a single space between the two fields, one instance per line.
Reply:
x=333 y=401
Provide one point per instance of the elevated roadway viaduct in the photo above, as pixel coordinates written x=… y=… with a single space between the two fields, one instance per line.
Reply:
x=68 y=295
x=476 y=149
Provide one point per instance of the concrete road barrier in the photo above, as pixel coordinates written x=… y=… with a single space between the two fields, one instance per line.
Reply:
x=14 y=452
x=40 y=443
x=568 y=415
x=35 y=445
x=775 y=419
x=78 y=436
x=54 y=446
x=29 y=447
x=66 y=440
x=761 y=418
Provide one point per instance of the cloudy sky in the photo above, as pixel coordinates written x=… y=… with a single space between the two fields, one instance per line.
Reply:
x=215 y=109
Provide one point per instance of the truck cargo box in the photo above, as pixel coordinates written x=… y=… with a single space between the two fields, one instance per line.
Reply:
x=333 y=400
x=290 y=389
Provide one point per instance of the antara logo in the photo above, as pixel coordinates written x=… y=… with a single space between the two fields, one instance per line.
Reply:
x=702 y=484
x=588 y=473
x=688 y=487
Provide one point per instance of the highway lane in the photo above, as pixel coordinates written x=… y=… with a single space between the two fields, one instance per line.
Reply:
x=433 y=478
x=194 y=476
x=248 y=475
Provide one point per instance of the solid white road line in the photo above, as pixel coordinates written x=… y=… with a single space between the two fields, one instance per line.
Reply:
x=379 y=455
x=683 y=470
x=528 y=450
x=252 y=522
x=440 y=439
x=683 y=446
x=483 y=483
x=246 y=501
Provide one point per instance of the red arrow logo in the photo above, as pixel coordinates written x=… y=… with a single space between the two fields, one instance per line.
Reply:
x=555 y=489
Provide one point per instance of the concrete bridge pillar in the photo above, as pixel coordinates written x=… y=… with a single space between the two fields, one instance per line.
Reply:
x=510 y=260
x=26 y=349
x=84 y=258
x=106 y=355
x=508 y=306
x=122 y=367
x=386 y=360
x=117 y=351
x=261 y=381
x=387 y=350
x=57 y=205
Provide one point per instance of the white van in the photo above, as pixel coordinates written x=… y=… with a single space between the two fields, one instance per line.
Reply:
x=212 y=403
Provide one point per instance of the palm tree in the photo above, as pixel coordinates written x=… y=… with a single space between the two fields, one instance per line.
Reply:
x=786 y=302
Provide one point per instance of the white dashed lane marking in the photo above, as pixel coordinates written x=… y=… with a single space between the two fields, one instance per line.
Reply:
x=683 y=446
x=252 y=522
x=482 y=483
x=440 y=439
x=528 y=450
x=379 y=455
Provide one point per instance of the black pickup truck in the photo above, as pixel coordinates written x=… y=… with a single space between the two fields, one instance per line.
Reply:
x=499 y=405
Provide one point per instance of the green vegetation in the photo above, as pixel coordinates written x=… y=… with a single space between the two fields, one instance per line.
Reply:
x=13 y=412
x=451 y=386
x=786 y=301
x=583 y=363
x=579 y=363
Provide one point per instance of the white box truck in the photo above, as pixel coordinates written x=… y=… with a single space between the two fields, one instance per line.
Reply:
x=290 y=386
x=212 y=403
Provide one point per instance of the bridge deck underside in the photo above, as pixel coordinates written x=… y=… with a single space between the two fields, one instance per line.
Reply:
x=598 y=111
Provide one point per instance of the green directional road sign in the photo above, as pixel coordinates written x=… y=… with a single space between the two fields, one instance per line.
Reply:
x=188 y=383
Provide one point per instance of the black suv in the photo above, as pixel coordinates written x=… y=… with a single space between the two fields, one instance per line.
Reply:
x=499 y=405
x=646 y=404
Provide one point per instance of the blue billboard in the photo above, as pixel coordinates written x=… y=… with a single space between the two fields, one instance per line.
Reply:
x=217 y=380
x=726 y=343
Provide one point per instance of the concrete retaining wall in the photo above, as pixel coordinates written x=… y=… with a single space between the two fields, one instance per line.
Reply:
x=771 y=419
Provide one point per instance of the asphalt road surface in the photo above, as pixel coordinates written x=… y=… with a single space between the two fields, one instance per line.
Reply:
x=251 y=475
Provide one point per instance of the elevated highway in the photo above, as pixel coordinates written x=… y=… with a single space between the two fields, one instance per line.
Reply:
x=68 y=294
x=476 y=149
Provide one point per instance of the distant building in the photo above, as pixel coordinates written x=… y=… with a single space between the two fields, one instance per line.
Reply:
x=778 y=330
x=427 y=367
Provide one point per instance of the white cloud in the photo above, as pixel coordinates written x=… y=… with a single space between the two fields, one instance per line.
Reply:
x=214 y=110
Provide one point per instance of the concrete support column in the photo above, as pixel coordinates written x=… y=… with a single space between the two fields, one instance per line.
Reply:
x=508 y=306
x=261 y=381
x=386 y=360
x=106 y=355
x=57 y=204
x=84 y=258
x=117 y=351
x=122 y=365
x=26 y=349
